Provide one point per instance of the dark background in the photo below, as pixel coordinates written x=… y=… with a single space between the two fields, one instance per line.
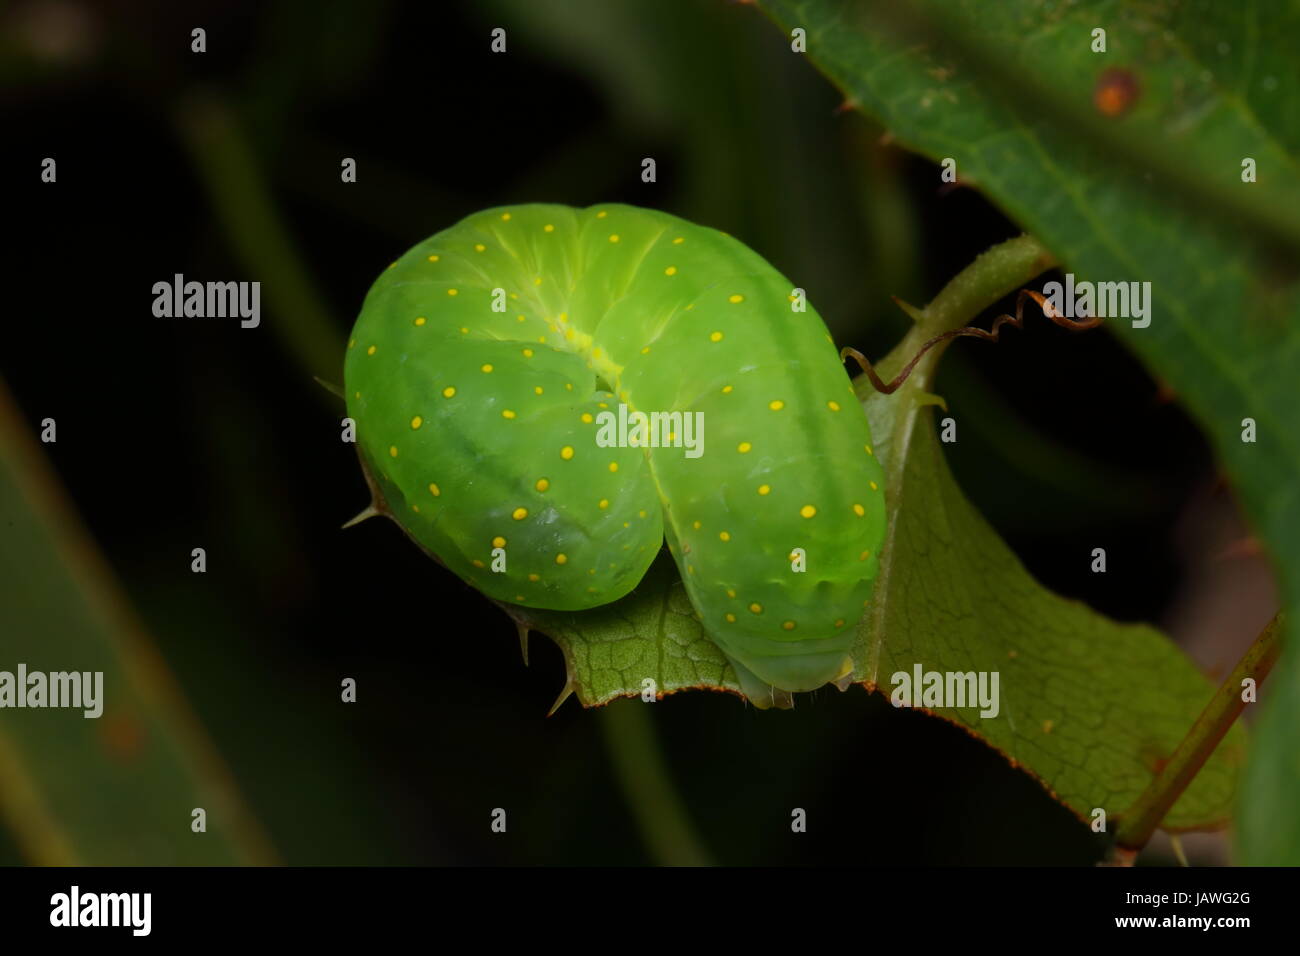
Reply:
x=175 y=434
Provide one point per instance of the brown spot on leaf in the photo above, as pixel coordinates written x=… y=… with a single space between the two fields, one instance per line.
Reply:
x=1117 y=90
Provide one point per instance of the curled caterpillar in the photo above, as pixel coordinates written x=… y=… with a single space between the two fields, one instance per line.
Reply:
x=493 y=373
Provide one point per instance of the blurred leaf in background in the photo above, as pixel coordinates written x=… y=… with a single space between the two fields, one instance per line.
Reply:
x=119 y=788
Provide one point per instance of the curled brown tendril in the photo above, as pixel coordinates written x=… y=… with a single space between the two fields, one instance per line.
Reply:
x=1077 y=325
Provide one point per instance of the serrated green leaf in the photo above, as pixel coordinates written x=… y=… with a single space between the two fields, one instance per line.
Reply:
x=1150 y=191
x=1089 y=707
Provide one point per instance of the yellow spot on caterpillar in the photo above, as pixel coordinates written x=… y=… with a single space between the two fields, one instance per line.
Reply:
x=604 y=503
x=486 y=368
x=868 y=449
x=519 y=514
x=537 y=389
x=352 y=343
x=596 y=353
x=528 y=353
x=448 y=392
x=453 y=292
x=417 y=421
x=356 y=394
x=477 y=563
x=731 y=618
x=421 y=320
x=602 y=404
x=434 y=490
x=764 y=489
x=371 y=350
x=744 y=447
x=392 y=451
x=730 y=593
x=566 y=452
x=602 y=214
x=690 y=568
x=724 y=536
x=479 y=247
x=507 y=413
x=833 y=406
x=864 y=555
x=715 y=337
x=736 y=299
x=463 y=330
x=542 y=484
x=534 y=577
x=641 y=514
x=670 y=271
x=433 y=258
x=788 y=625
x=521 y=318
x=498 y=542
x=548 y=228
x=586 y=417
x=537 y=281
x=568 y=386
x=874 y=486
x=859 y=510
x=756 y=608
x=561 y=559
x=776 y=405
x=613 y=466
x=678 y=241
x=645 y=350
x=726 y=389
x=840 y=622
x=614 y=238
x=542 y=339
x=415 y=508
x=807 y=511
x=696 y=526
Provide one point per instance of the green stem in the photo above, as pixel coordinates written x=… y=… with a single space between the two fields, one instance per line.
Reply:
x=647 y=785
x=996 y=272
x=1140 y=820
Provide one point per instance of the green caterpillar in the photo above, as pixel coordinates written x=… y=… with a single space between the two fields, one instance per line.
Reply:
x=487 y=360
